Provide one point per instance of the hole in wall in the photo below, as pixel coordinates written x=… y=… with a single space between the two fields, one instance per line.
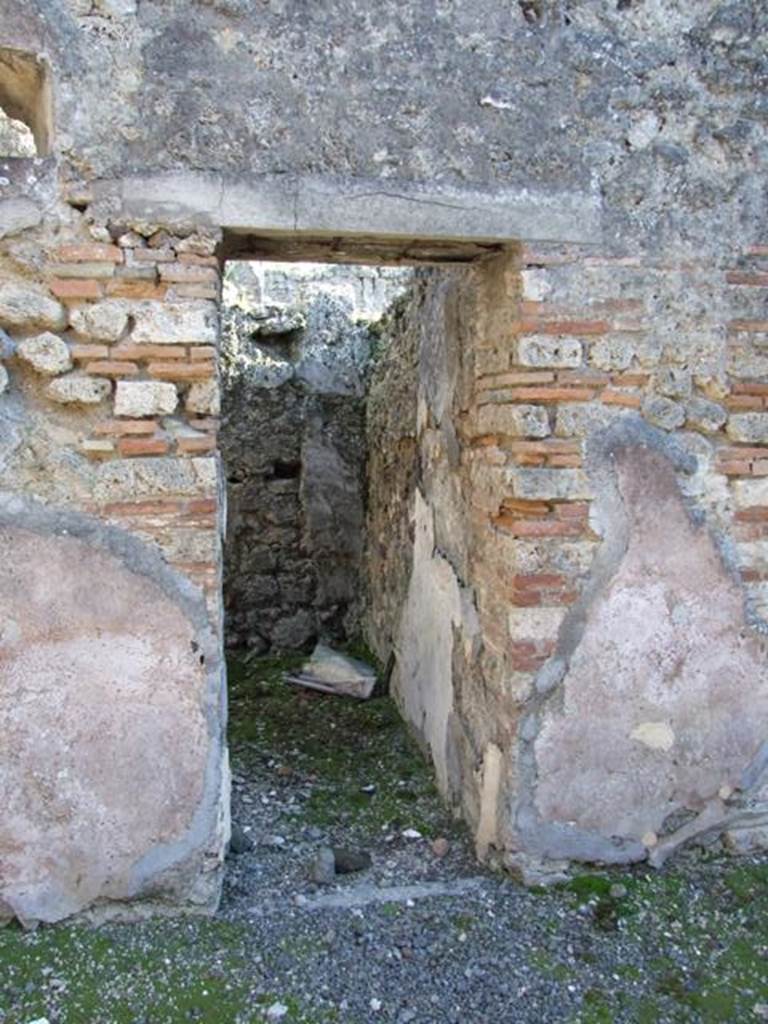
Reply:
x=26 y=109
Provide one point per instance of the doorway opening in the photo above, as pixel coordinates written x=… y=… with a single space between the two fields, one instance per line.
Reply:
x=300 y=342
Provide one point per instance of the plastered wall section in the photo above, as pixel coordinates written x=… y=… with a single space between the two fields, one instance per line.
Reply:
x=582 y=650
x=112 y=706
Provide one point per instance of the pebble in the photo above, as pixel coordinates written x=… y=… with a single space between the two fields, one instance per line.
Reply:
x=323 y=867
x=440 y=846
x=411 y=833
x=277 y=1011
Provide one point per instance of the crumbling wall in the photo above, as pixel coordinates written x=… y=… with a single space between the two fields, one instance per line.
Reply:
x=297 y=350
x=581 y=643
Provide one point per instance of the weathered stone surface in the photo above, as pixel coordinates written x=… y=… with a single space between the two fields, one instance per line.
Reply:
x=678 y=684
x=79 y=390
x=204 y=397
x=94 y=737
x=128 y=480
x=47 y=353
x=701 y=414
x=16 y=215
x=135 y=399
x=550 y=484
x=748 y=426
x=27 y=306
x=663 y=412
x=175 y=324
x=513 y=419
x=4 y=380
x=100 y=321
x=540 y=350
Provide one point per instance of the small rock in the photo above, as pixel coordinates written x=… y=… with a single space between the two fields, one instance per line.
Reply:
x=239 y=842
x=617 y=891
x=277 y=1011
x=440 y=846
x=376 y=1005
x=136 y=399
x=347 y=861
x=78 y=390
x=46 y=353
x=411 y=833
x=323 y=867
x=760 y=1010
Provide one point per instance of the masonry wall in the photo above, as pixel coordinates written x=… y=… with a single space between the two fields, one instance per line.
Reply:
x=115 y=779
x=574 y=596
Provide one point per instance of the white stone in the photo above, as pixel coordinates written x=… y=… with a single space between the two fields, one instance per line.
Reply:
x=175 y=324
x=656 y=735
x=101 y=321
x=145 y=398
x=77 y=390
x=46 y=353
x=3 y=379
x=542 y=350
x=204 y=398
x=550 y=484
x=747 y=493
x=748 y=426
x=24 y=305
x=536 y=623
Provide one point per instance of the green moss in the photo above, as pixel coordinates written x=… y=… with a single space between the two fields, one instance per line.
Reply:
x=339 y=744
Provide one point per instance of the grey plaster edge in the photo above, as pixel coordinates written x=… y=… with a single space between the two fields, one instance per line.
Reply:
x=136 y=556
x=554 y=841
x=388 y=209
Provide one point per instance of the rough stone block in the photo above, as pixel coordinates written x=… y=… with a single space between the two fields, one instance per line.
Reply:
x=663 y=412
x=515 y=420
x=175 y=324
x=151 y=477
x=748 y=493
x=77 y=390
x=26 y=306
x=3 y=379
x=748 y=426
x=704 y=415
x=540 y=350
x=102 y=321
x=550 y=484
x=46 y=353
x=204 y=398
x=145 y=398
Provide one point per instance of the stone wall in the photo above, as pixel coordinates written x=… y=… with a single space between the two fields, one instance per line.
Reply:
x=295 y=363
x=582 y=642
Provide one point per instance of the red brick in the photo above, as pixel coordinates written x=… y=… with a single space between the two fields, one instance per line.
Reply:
x=186 y=273
x=740 y=402
x=89 y=351
x=145 y=352
x=89 y=252
x=112 y=368
x=129 y=446
x=200 y=370
x=582 y=327
x=537 y=527
x=189 y=445
x=551 y=394
x=125 y=289
x=613 y=397
x=748 y=326
x=70 y=288
x=745 y=277
x=202 y=352
x=750 y=387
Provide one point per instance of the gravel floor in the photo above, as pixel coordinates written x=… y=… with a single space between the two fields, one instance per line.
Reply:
x=422 y=935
